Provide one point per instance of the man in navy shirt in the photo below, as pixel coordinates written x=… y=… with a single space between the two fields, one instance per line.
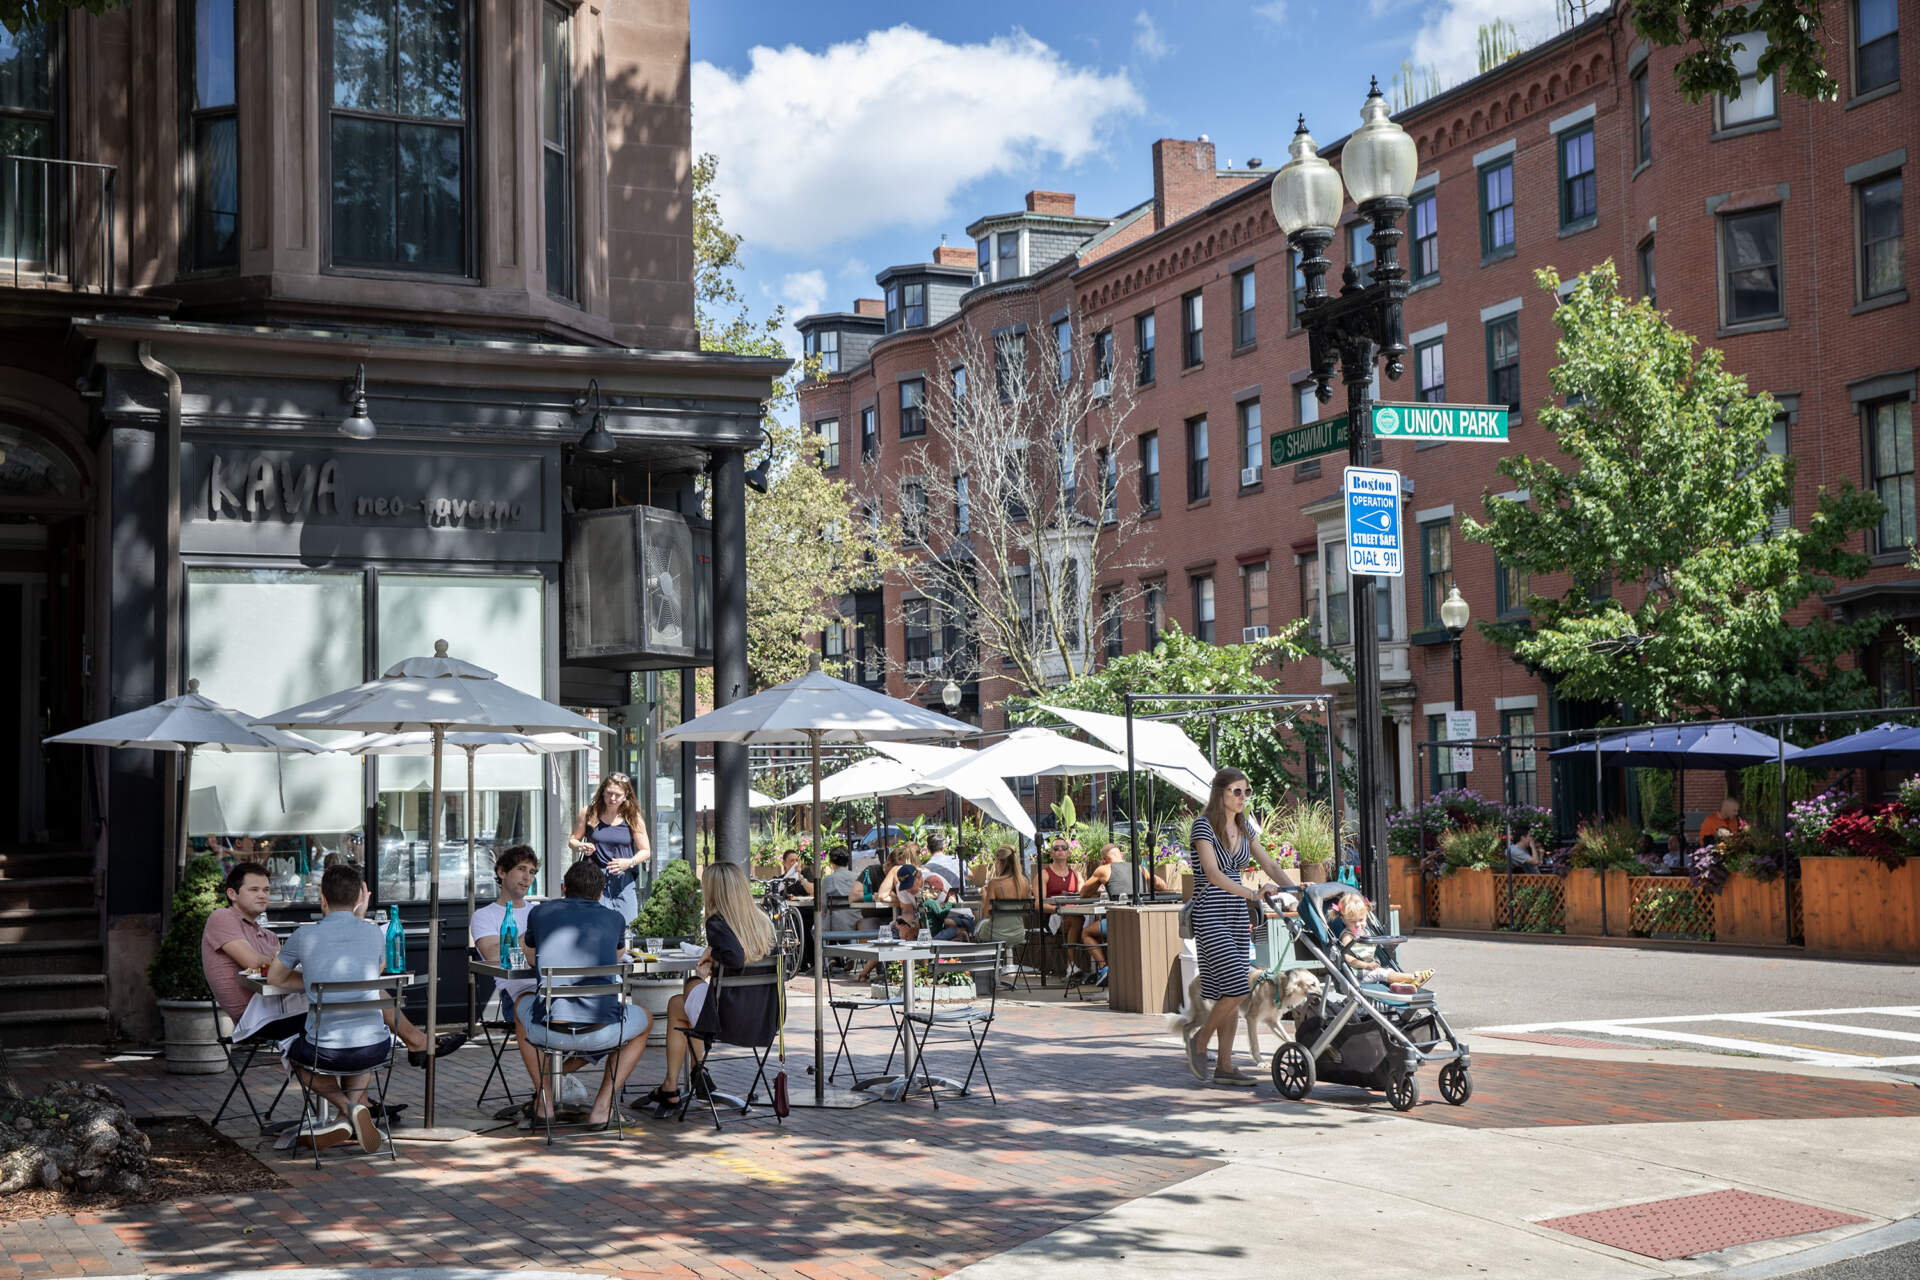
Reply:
x=577 y=931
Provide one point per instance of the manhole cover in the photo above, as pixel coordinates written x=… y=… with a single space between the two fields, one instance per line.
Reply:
x=1687 y=1225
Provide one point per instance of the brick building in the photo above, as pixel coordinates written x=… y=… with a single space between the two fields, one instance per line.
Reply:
x=1767 y=225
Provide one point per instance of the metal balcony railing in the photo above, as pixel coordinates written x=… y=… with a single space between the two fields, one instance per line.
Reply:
x=58 y=228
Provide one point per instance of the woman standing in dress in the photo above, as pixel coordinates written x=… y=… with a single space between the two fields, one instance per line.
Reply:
x=610 y=830
x=1223 y=845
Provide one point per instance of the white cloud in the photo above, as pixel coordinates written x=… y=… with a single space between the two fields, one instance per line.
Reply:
x=884 y=131
x=803 y=292
x=1449 y=40
x=1274 y=11
x=1148 y=44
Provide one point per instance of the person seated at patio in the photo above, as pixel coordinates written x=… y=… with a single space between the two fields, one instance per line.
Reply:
x=1726 y=822
x=738 y=934
x=839 y=886
x=515 y=870
x=899 y=892
x=576 y=931
x=235 y=940
x=1058 y=879
x=1523 y=853
x=1005 y=884
x=1676 y=855
x=942 y=913
x=940 y=862
x=875 y=872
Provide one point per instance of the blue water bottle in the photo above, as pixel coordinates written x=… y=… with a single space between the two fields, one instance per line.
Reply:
x=396 y=942
x=509 y=940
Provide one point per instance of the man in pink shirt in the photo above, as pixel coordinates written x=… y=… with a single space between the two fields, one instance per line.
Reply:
x=234 y=939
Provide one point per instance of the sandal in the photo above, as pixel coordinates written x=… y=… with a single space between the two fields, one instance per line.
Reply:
x=658 y=1098
x=1422 y=978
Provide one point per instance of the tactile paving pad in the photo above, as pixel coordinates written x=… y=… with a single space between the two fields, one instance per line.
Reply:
x=1688 y=1225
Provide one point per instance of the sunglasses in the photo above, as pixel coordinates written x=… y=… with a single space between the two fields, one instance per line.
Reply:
x=1239 y=791
x=618 y=777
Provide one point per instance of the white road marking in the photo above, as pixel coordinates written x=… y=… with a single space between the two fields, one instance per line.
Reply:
x=1665 y=1028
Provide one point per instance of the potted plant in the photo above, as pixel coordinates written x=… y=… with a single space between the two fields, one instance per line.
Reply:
x=672 y=913
x=1745 y=874
x=186 y=1009
x=1305 y=832
x=1858 y=875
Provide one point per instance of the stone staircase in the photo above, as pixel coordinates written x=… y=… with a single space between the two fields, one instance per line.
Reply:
x=53 y=982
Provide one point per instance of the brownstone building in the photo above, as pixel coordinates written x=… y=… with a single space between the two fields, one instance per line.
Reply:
x=1764 y=224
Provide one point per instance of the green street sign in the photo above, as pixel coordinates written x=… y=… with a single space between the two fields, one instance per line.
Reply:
x=1329 y=435
x=1440 y=421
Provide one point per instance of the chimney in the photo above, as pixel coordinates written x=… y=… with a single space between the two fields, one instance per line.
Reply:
x=948 y=255
x=1182 y=179
x=1054 y=202
x=869 y=307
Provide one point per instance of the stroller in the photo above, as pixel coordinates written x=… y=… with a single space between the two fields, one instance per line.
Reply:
x=1361 y=1033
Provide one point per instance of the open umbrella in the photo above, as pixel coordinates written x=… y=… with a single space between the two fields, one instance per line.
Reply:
x=960 y=771
x=1041 y=753
x=436 y=696
x=867 y=779
x=703 y=795
x=186 y=723
x=1693 y=746
x=816 y=708
x=1160 y=747
x=1885 y=746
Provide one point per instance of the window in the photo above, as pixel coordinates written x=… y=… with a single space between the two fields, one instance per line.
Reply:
x=398 y=135
x=983 y=258
x=1647 y=289
x=1009 y=364
x=962 y=505
x=913 y=407
x=1440 y=758
x=869 y=435
x=1150 y=471
x=1202 y=585
x=27 y=128
x=1110 y=623
x=1339 y=611
x=1503 y=362
x=1360 y=250
x=1306 y=402
x=1102 y=361
x=916 y=625
x=1509 y=591
x=1009 y=265
x=828 y=432
x=824 y=346
x=913 y=511
x=1755 y=99
x=1876 y=44
x=1890 y=469
x=556 y=143
x=1426 y=237
x=1253 y=590
x=957 y=392
x=1309 y=566
x=1250 y=438
x=1243 y=298
x=1063 y=351
x=893 y=307
x=1014 y=483
x=833 y=647
x=1193 y=349
x=1143 y=347
x=1522 y=777
x=1643 y=117
x=1109 y=486
x=1579 y=194
x=1776 y=447
x=913 y=305
x=213 y=135
x=1154 y=604
x=1496 y=209
x=1750 y=259
x=1022 y=578
x=1883 y=267
x=1430 y=372
x=1436 y=570
x=1068 y=463
x=870 y=642
x=1196 y=459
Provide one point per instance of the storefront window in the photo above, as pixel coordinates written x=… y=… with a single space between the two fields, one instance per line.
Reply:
x=260 y=640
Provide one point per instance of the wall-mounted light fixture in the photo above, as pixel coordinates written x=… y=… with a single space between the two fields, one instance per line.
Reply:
x=597 y=439
x=357 y=425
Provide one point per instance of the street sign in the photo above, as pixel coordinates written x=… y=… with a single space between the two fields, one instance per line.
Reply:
x=1373 y=522
x=1462 y=725
x=1440 y=421
x=1329 y=435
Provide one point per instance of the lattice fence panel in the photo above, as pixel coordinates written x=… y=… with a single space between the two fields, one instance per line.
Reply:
x=1796 y=912
x=1670 y=907
x=1430 y=900
x=1530 y=903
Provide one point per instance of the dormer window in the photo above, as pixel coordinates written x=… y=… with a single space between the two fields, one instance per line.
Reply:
x=1009 y=265
x=906 y=306
x=983 y=258
x=824 y=344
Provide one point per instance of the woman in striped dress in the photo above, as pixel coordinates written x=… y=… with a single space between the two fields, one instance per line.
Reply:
x=1223 y=845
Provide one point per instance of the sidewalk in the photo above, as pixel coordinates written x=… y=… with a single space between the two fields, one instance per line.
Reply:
x=1102 y=1150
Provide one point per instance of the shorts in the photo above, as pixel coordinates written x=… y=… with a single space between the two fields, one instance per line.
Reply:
x=696 y=1002
x=351 y=1060
x=607 y=1036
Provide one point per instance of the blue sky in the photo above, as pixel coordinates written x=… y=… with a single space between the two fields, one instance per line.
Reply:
x=852 y=135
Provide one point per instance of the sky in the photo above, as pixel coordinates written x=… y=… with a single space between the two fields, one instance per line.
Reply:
x=851 y=136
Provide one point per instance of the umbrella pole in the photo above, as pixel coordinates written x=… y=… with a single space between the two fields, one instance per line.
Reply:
x=180 y=852
x=472 y=1009
x=819 y=933
x=433 y=924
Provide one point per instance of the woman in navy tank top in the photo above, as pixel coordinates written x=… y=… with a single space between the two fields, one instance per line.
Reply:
x=611 y=832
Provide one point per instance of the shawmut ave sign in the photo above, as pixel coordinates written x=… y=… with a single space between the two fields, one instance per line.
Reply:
x=1440 y=421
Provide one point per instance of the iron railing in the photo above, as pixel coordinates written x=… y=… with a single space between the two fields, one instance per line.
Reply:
x=67 y=242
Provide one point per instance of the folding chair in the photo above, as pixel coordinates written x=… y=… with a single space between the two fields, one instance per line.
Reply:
x=502 y=1022
x=1002 y=909
x=330 y=1001
x=584 y=981
x=240 y=1056
x=848 y=1003
x=746 y=1008
x=982 y=962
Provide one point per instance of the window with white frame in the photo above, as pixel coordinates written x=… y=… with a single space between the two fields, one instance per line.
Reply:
x=1250 y=438
x=1755 y=100
x=827 y=430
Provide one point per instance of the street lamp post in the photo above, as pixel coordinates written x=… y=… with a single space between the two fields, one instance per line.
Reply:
x=1346 y=335
x=1454 y=617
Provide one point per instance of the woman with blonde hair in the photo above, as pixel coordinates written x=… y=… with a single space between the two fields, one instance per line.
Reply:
x=1222 y=846
x=1008 y=924
x=738 y=934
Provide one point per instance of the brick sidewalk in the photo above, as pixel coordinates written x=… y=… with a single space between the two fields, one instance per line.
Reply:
x=885 y=1191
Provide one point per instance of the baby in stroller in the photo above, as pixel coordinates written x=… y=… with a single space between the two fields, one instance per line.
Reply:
x=1362 y=954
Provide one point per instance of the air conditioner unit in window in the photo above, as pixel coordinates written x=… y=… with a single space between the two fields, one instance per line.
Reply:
x=916 y=667
x=1249 y=476
x=1102 y=388
x=936 y=664
x=1249 y=634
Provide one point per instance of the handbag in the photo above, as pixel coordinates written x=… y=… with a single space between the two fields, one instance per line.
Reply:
x=780 y=1104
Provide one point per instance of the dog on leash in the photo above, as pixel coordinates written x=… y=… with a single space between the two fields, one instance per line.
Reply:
x=1272 y=998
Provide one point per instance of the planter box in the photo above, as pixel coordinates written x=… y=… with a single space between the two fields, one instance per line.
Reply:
x=1583 y=902
x=652 y=994
x=193 y=1041
x=1314 y=872
x=1466 y=900
x=1751 y=911
x=1404 y=891
x=1856 y=905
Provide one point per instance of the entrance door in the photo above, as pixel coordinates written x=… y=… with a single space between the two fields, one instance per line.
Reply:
x=42 y=627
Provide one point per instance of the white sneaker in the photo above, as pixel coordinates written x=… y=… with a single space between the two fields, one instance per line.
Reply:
x=574 y=1091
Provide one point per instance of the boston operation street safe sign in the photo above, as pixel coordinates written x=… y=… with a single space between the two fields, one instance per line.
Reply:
x=1373 y=522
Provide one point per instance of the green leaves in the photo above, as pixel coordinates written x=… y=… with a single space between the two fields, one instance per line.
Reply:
x=1793 y=31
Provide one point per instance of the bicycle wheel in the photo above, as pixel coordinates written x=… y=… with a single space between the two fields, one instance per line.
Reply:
x=789 y=937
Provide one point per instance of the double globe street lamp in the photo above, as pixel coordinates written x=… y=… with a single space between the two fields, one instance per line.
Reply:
x=1346 y=334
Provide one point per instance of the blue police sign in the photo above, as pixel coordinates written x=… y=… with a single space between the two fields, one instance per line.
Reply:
x=1374 y=544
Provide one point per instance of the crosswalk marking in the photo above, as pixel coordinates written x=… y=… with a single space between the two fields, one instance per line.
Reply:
x=1666 y=1029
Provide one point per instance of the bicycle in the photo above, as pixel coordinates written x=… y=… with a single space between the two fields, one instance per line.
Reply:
x=789 y=934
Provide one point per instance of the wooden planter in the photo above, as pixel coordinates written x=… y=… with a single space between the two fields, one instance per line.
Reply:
x=1466 y=900
x=1856 y=905
x=1751 y=911
x=1403 y=890
x=1583 y=902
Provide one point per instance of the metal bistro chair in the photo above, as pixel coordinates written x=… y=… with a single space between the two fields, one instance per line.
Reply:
x=852 y=999
x=736 y=1022
x=981 y=961
x=329 y=1001
x=496 y=1032
x=585 y=981
x=1001 y=910
x=240 y=1056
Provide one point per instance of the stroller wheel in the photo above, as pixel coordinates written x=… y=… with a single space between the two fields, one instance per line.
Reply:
x=1293 y=1071
x=1404 y=1092
x=1456 y=1083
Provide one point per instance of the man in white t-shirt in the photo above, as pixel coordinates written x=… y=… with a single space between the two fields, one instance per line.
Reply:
x=515 y=869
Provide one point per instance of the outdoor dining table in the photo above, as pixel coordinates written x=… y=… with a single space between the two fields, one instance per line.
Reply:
x=904 y=954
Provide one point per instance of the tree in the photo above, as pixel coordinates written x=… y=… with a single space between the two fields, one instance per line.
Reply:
x=1794 y=42
x=1009 y=511
x=1660 y=519
x=24 y=15
x=806 y=544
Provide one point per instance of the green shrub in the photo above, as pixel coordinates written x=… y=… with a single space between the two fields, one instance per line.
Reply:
x=176 y=972
x=1475 y=848
x=1307 y=826
x=1608 y=846
x=673 y=906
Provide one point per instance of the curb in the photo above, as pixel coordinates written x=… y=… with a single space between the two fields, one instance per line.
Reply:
x=1890 y=1236
x=1660 y=944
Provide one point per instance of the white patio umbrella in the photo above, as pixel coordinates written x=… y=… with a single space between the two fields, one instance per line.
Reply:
x=958 y=770
x=186 y=723
x=435 y=696
x=867 y=779
x=1159 y=746
x=703 y=795
x=816 y=708
x=1042 y=753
